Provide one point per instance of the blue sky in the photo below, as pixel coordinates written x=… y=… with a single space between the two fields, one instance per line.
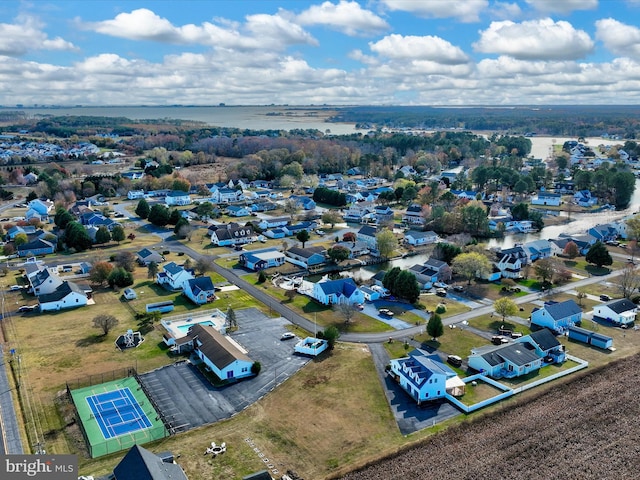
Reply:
x=339 y=52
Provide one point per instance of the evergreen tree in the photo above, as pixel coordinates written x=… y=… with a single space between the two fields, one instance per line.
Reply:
x=303 y=236
x=599 y=255
x=117 y=234
x=159 y=215
x=143 y=209
x=174 y=217
x=435 y=328
x=103 y=235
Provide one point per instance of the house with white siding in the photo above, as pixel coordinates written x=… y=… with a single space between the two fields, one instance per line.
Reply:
x=262 y=259
x=66 y=295
x=177 y=198
x=425 y=377
x=174 y=276
x=415 y=238
x=232 y=234
x=618 y=312
x=331 y=292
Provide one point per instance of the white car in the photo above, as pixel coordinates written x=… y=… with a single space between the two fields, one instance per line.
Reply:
x=14 y=288
x=287 y=336
x=441 y=285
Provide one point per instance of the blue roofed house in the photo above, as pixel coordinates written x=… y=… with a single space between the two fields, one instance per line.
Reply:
x=199 y=290
x=545 y=344
x=557 y=316
x=618 y=312
x=425 y=377
x=146 y=256
x=36 y=246
x=39 y=209
x=174 y=276
x=16 y=230
x=537 y=249
x=413 y=215
x=331 y=292
x=306 y=257
x=306 y=203
x=275 y=233
x=273 y=222
x=604 y=232
x=383 y=214
x=510 y=360
x=139 y=463
x=260 y=259
x=585 y=198
x=238 y=211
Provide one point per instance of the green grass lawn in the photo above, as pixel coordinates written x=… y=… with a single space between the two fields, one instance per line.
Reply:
x=454 y=341
x=492 y=324
x=431 y=302
x=544 y=372
x=481 y=391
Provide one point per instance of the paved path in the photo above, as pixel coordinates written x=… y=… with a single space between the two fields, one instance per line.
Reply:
x=10 y=442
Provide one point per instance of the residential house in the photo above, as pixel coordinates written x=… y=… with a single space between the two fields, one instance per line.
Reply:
x=93 y=219
x=135 y=194
x=537 y=249
x=425 y=377
x=413 y=215
x=564 y=187
x=17 y=230
x=200 y=290
x=139 y=463
x=358 y=211
x=264 y=206
x=66 y=295
x=43 y=280
x=273 y=222
x=262 y=259
x=545 y=344
x=548 y=199
x=291 y=230
x=36 y=246
x=604 y=232
x=332 y=292
x=367 y=234
x=370 y=294
x=356 y=249
x=510 y=265
x=557 y=316
x=231 y=235
x=238 y=211
x=146 y=256
x=174 y=276
x=585 y=198
x=443 y=269
x=177 y=198
x=415 y=238
x=378 y=278
x=509 y=360
x=219 y=354
x=275 y=233
x=224 y=194
x=39 y=209
x=382 y=214
x=425 y=276
x=307 y=257
x=468 y=194
x=306 y=203
x=618 y=312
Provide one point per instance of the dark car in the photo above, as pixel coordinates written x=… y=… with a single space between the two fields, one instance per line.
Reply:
x=605 y=298
x=454 y=360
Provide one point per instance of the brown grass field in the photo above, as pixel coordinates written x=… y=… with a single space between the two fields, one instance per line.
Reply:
x=586 y=428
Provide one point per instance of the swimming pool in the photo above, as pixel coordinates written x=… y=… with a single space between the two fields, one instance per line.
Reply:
x=185 y=327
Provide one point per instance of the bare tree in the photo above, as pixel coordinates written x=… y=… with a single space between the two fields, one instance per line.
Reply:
x=126 y=260
x=347 y=311
x=105 y=323
x=629 y=281
x=204 y=265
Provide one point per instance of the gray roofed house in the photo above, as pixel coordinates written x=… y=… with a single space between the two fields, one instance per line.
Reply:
x=141 y=464
x=545 y=339
x=223 y=357
x=67 y=295
x=511 y=360
x=146 y=256
x=200 y=290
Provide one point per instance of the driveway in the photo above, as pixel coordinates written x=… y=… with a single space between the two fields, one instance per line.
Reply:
x=409 y=416
x=187 y=400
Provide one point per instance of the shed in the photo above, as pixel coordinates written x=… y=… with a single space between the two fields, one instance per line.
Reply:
x=601 y=341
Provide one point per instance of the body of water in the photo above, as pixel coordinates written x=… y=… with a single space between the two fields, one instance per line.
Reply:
x=243 y=117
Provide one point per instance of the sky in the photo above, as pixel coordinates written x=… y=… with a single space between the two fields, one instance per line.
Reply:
x=335 y=52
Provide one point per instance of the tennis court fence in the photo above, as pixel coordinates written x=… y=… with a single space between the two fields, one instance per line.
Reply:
x=98 y=378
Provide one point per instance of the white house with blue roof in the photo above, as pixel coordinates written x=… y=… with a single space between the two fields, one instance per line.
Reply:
x=548 y=199
x=509 y=360
x=177 y=197
x=260 y=259
x=332 y=292
x=199 y=290
x=174 y=276
x=537 y=249
x=425 y=377
x=238 y=211
x=557 y=316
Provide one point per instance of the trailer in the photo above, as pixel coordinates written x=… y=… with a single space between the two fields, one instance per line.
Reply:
x=590 y=338
x=162 y=307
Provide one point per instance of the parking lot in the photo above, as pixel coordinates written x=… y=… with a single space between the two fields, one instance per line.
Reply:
x=187 y=400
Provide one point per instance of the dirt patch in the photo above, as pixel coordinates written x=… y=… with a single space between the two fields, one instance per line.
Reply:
x=581 y=429
x=315 y=381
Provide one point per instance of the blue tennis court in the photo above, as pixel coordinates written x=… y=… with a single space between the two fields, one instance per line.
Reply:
x=117 y=412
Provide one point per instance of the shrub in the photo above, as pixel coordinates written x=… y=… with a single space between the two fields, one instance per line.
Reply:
x=441 y=308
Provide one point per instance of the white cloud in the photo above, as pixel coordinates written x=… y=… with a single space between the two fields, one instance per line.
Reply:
x=419 y=48
x=347 y=17
x=464 y=10
x=536 y=39
x=619 y=38
x=562 y=6
x=505 y=11
x=262 y=31
x=26 y=35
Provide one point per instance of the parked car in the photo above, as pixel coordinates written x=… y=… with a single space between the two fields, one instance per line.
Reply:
x=441 y=292
x=287 y=336
x=458 y=288
x=27 y=308
x=454 y=360
x=14 y=288
x=385 y=311
x=441 y=285
x=320 y=232
x=360 y=306
x=605 y=298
